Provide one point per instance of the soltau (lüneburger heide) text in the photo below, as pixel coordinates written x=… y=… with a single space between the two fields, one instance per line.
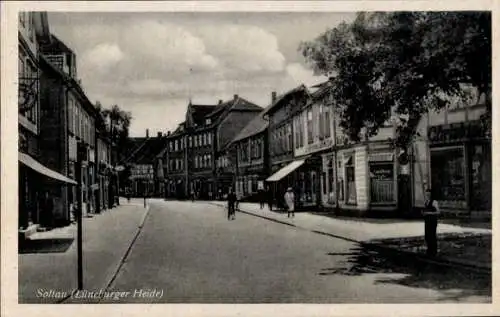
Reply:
x=100 y=294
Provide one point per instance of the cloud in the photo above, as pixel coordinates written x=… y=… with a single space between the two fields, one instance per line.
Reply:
x=301 y=75
x=152 y=65
x=244 y=47
x=161 y=47
x=103 y=56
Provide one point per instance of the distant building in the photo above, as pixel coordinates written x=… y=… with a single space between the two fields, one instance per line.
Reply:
x=283 y=167
x=141 y=163
x=194 y=148
x=249 y=151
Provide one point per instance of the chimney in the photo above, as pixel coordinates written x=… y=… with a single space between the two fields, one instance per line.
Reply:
x=168 y=133
x=159 y=134
x=147 y=133
x=273 y=97
x=220 y=101
x=235 y=97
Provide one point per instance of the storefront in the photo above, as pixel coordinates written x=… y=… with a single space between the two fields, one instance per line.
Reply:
x=460 y=163
x=35 y=180
x=365 y=178
x=249 y=184
x=303 y=176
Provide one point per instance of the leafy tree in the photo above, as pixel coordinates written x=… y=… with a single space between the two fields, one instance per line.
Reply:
x=117 y=124
x=402 y=63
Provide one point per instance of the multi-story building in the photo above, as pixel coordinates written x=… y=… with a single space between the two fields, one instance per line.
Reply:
x=194 y=148
x=142 y=162
x=46 y=122
x=314 y=140
x=35 y=177
x=105 y=168
x=281 y=142
x=67 y=128
x=452 y=157
x=250 y=153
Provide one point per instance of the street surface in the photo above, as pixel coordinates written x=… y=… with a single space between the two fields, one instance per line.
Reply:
x=190 y=253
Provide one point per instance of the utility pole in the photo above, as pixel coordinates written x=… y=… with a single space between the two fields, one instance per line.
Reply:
x=81 y=155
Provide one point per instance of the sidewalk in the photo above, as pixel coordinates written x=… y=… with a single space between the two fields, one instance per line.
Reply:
x=398 y=235
x=48 y=277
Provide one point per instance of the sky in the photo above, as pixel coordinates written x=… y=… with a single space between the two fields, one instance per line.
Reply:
x=152 y=64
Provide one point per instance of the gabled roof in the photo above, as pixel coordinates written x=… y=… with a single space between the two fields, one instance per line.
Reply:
x=238 y=103
x=135 y=144
x=255 y=126
x=199 y=112
x=146 y=151
x=281 y=97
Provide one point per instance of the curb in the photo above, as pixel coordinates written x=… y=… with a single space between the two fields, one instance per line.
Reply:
x=122 y=260
x=384 y=249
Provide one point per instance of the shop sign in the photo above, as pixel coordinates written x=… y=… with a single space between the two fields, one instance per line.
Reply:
x=315 y=147
x=456 y=132
x=382 y=171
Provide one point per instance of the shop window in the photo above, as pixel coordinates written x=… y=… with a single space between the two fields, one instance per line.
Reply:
x=350 y=181
x=448 y=174
x=382 y=182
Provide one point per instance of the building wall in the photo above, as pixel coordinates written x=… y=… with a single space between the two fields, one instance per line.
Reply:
x=423 y=149
x=232 y=124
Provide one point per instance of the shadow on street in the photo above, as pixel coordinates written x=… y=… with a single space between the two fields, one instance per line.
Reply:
x=453 y=284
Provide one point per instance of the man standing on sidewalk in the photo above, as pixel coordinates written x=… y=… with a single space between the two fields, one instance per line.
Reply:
x=431 y=214
x=231 y=202
x=290 y=201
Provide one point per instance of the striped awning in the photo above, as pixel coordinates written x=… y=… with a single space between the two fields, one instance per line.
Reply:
x=285 y=171
x=40 y=168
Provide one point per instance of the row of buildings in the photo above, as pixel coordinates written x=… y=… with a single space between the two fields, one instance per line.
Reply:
x=296 y=141
x=63 y=139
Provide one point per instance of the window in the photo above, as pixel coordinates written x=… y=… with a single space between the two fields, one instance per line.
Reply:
x=208 y=121
x=327 y=122
x=381 y=182
x=309 y=126
x=448 y=174
x=289 y=136
x=190 y=141
x=171 y=146
x=297 y=132
x=350 y=181
x=321 y=122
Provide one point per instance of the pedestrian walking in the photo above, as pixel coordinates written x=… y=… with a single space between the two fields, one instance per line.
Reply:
x=262 y=198
x=290 y=201
x=231 y=202
x=431 y=213
x=192 y=195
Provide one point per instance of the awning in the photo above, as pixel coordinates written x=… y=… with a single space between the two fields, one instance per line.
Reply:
x=38 y=167
x=285 y=171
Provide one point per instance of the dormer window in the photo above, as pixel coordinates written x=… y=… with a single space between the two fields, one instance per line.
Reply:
x=208 y=121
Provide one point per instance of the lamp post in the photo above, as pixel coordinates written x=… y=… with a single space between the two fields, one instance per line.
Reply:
x=81 y=156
